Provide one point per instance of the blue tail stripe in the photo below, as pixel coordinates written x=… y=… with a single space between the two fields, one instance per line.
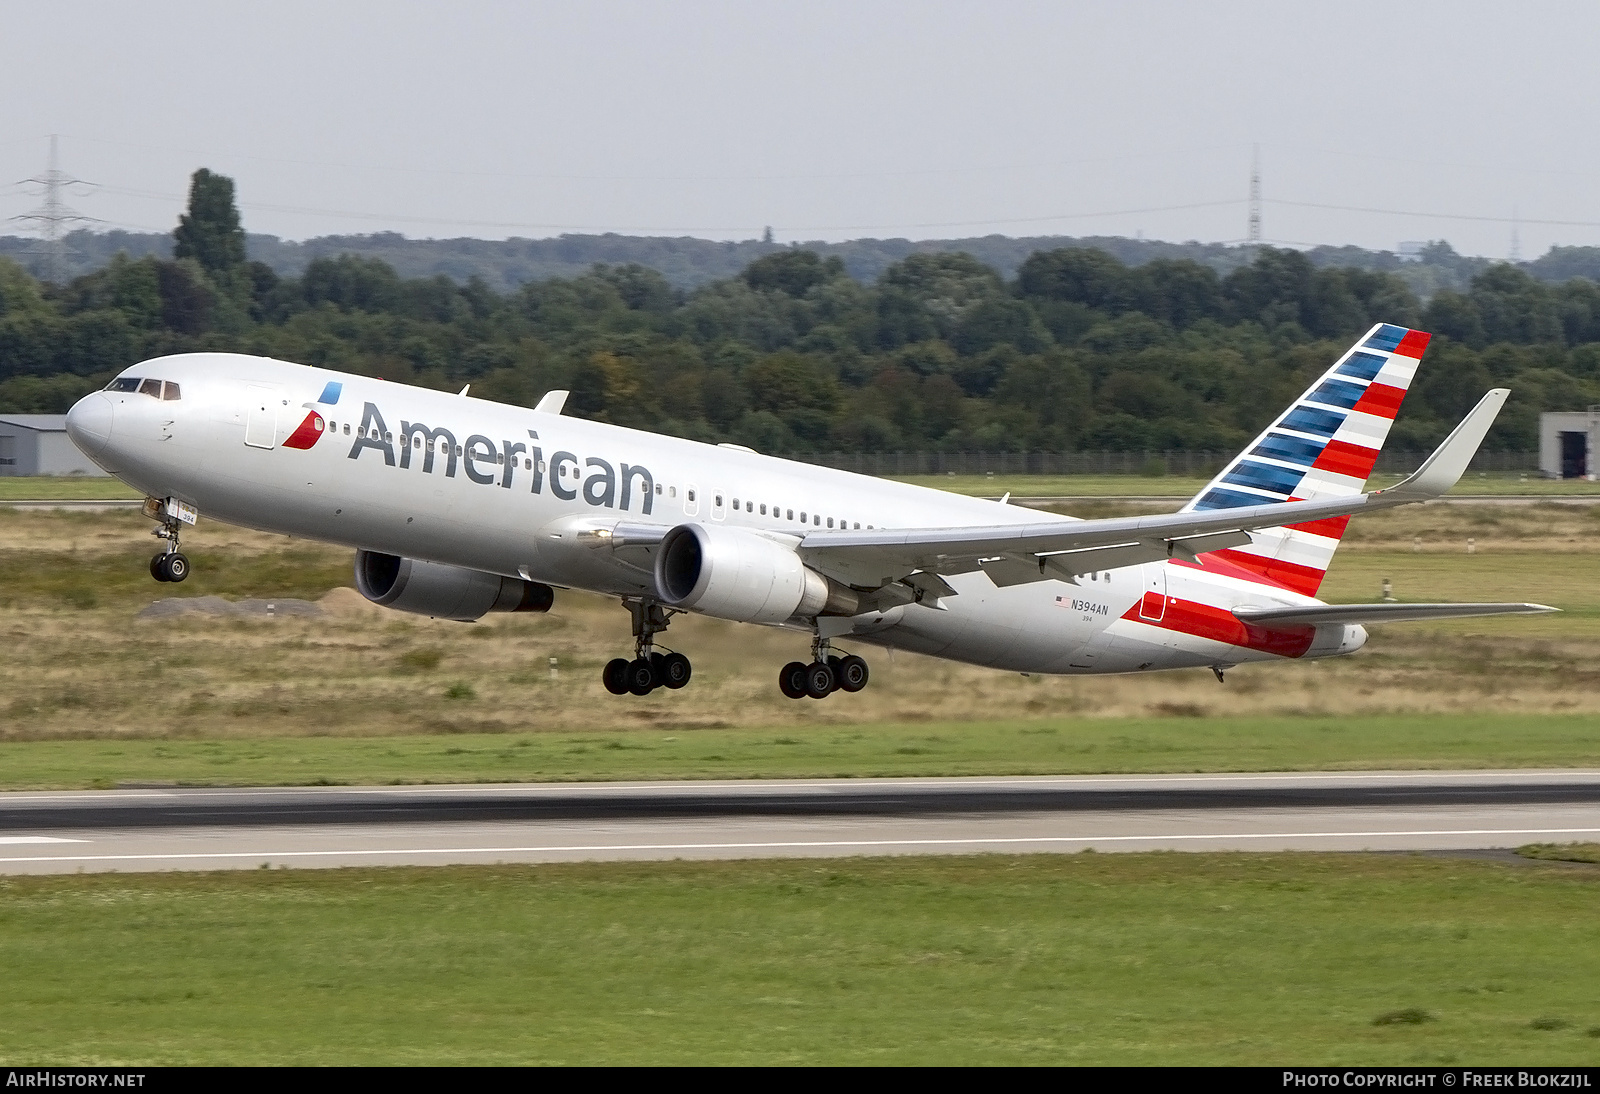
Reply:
x=1308 y=419
x=330 y=394
x=1337 y=393
x=1293 y=449
x=1230 y=499
x=1363 y=366
x=1387 y=338
x=1265 y=476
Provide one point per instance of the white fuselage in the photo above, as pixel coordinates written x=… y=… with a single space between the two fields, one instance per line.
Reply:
x=508 y=491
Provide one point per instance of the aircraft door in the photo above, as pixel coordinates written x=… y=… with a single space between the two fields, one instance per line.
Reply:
x=1153 y=607
x=261 y=416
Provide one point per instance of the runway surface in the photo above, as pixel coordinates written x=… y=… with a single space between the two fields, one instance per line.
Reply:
x=198 y=829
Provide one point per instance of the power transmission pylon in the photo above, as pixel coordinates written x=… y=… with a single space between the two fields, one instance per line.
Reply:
x=1253 y=228
x=50 y=218
x=1516 y=237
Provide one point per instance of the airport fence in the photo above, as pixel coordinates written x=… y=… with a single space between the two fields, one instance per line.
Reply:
x=1184 y=464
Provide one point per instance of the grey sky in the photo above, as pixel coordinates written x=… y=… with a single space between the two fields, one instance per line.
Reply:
x=826 y=120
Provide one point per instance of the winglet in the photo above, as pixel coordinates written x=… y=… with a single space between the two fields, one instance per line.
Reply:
x=1442 y=470
x=552 y=402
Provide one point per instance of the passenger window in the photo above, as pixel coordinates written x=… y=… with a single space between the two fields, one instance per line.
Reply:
x=151 y=387
x=749 y=507
x=802 y=516
x=387 y=437
x=763 y=509
x=736 y=503
x=124 y=383
x=691 y=495
x=458 y=450
x=817 y=520
x=791 y=514
x=658 y=489
x=500 y=457
x=416 y=441
x=858 y=525
x=527 y=465
x=672 y=491
x=718 y=502
x=347 y=429
x=171 y=391
x=830 y=522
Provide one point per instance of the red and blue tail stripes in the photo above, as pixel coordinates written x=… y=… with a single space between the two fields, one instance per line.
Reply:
x=1324 y=446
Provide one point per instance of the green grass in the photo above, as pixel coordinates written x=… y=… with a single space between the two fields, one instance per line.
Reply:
x=63 y=488
x=1562 y=852
x=1061 y=746
x=1105 y=959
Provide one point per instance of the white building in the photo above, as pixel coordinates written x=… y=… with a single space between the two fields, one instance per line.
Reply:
x=37 y=444
x=1569 y=442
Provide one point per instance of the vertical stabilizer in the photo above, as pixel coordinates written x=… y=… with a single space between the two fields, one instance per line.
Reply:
x=1323 y=446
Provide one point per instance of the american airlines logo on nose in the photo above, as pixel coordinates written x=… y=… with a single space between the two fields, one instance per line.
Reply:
x=308 y=432
x=605 y=484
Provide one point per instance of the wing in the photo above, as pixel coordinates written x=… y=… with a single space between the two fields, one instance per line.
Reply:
x=874 y=558
x=1280 y=618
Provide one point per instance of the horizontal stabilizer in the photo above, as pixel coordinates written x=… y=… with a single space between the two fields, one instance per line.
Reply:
x=1377 y=613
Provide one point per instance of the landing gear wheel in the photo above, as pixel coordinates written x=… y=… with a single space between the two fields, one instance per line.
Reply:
x=674 y=670
x=792 y=680
x=158 y=567
x=615 y=676
x=641 y=676
x=819 y=680
x=177 y=566
x=852 y=673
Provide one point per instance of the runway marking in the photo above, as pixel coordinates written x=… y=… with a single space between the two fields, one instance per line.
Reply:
x=845 y=789
x=39 y=839
x=794 y=844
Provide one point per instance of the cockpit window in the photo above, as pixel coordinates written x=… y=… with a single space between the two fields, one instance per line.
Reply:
x=124 y=383
x=151 y=387
x=171 y=391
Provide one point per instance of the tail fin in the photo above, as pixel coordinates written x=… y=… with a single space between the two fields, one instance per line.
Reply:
x=1324 y=446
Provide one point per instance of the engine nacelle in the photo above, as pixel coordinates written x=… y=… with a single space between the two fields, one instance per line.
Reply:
x=445 y=592
x=734 y=574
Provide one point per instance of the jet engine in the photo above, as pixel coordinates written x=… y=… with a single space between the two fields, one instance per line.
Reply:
x=445 y=592
x=734 y=574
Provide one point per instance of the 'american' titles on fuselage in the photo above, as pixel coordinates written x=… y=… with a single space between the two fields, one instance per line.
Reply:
x=605 y=485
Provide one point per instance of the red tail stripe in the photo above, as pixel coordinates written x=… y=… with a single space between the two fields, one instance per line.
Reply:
x=1413 y=344
x=1344 y=458
x=1289 y=575
x=1220 y=625
x=1332 y=527
x=1381 y=400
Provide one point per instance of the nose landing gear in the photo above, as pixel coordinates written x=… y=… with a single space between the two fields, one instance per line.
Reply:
x=650 y=668
x=169 y=564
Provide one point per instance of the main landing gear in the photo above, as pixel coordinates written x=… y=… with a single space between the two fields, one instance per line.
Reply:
x=826 y=674
x=650 y=667
x=169 y=564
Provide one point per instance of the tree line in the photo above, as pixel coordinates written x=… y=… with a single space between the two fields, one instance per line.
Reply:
x=1078 y=351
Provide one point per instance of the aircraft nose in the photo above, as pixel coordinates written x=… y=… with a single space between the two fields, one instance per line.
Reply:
x=89 y=423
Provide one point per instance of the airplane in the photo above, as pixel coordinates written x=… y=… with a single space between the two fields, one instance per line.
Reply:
x=458 y=507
